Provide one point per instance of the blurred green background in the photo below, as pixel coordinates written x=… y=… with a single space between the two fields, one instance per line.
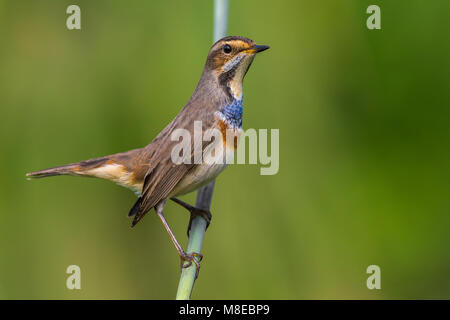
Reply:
x=364 y=126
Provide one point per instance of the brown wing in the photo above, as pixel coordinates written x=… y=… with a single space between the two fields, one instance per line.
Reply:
x=160 y=186
x=162 y=174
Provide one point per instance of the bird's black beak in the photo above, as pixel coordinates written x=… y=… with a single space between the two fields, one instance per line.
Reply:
x=258 y=48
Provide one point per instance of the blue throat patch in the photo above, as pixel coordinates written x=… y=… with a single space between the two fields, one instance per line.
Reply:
x=233 y=113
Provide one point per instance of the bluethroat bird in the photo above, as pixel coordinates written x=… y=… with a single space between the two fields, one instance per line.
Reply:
x=150 y=171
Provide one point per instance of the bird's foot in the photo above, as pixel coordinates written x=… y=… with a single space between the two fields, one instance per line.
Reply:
x=188 y=258
x=195 y=212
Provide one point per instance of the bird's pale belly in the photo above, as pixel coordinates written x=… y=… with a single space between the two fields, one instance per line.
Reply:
x=208 y=170
x=197 y=177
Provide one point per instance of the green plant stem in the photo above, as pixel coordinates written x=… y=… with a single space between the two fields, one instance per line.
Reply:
x=204 y=194
x=198 y=228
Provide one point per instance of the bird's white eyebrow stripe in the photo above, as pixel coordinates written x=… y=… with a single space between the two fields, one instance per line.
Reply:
x=232 y=63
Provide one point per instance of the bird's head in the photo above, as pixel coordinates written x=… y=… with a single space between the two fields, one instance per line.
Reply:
x=229 y=60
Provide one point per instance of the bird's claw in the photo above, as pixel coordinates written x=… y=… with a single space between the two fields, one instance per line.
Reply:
x=191 y=258
x=195 y=212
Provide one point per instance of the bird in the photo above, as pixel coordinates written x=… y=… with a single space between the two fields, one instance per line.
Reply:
x=150 y=171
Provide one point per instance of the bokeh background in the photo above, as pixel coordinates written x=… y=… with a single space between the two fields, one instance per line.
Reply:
x=364 y=149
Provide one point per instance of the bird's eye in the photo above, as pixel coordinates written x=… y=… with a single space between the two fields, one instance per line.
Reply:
x=227 y=48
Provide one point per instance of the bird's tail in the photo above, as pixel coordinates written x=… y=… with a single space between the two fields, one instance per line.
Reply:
x=79 y=168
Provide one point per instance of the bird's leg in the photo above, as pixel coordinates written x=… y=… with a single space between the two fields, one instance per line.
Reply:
x=185 y=257
x=205 y=214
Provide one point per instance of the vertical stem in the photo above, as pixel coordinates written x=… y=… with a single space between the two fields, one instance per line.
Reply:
x=204 y=194
x=220 y=19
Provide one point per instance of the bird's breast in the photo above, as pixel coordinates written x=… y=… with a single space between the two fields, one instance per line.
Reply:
x=232 y=113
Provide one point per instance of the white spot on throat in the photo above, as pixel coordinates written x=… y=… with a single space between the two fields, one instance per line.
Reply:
x=235 y=86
